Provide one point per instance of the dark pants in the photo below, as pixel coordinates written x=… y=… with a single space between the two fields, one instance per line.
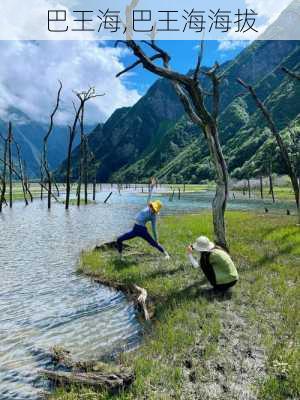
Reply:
x=138 y=231
x=210 y=274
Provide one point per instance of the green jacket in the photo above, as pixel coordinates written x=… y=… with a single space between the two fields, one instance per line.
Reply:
x=223 y=267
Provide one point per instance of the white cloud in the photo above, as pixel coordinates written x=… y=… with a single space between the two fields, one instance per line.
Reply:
x=268 y=8
x=268 y=11
x=230 y=45
x=29 y=74
x=23 y=20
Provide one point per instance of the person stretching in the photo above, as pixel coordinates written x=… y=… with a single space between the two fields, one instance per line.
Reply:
x=215 y=263
x=148 y=214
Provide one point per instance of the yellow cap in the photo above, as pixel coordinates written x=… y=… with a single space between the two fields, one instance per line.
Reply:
x=156 y=205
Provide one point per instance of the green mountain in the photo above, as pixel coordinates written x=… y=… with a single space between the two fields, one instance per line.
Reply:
x=154 y=137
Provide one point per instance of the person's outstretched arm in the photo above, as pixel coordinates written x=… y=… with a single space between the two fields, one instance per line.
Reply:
x=154 y=227
x=193 y=261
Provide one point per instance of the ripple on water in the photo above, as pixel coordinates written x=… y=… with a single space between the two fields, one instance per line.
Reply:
x=43 y=303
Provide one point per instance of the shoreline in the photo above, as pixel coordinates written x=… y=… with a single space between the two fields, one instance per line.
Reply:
x=198 y=341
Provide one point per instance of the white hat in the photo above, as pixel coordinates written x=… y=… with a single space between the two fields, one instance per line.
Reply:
x=203 y=244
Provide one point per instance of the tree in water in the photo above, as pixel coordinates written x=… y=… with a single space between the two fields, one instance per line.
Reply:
x=44 y=157
x=283 y=147
x=83 y=98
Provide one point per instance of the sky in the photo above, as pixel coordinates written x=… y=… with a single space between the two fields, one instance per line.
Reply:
x=30 y=70
x=183 y=58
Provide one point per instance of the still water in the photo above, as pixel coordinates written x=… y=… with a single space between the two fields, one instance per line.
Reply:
x=44 y=303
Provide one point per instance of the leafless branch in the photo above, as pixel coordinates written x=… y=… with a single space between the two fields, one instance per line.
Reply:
x=199 y=61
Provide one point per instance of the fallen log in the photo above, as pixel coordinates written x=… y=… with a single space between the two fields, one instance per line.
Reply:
x=93 y=374
x=112 y=383
x=108 y=197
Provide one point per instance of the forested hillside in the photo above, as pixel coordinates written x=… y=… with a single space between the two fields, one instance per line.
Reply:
x=154 y=137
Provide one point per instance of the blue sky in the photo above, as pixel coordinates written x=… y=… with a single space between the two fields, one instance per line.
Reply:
x=184 y=55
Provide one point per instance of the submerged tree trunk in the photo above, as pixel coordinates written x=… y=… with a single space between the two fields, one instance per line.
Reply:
x=94 y=189
x=281 y=145
x=249 y=188
x=261 y=187
x=85 y=171
x=10 y=137
x=3 y=186
x=22 y=174
x=271 y=187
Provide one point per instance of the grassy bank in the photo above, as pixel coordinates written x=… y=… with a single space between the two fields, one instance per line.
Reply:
x=207 y=346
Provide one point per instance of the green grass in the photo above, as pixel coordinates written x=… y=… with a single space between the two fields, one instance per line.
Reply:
x=199 y=341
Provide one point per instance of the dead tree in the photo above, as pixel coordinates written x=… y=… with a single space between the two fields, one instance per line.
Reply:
x=21 y=172
x=295 y=151
x=261 y=187
x=83 y=97
x=81 y=155
x=10 y=166
x=44 y=158
x=3 y=177
x=282 y=146
x=192 y=96
x=86 y=173
x=26 y=181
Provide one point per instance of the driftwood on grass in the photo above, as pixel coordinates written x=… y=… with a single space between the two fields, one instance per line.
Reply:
x=113 y=383
x=93 y=374
x=137 y=294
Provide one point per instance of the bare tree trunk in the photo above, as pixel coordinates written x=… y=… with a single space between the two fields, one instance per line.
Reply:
x=42 y=181
x=45 y=149
x=261 y=187
x=271 y=187
x=27 y=183
x=10 y=137
x=282 y=147
x=21 y=173
x=191 y=95
x=3 y=187
x=68 y=171
x=81 y=158
x=221 y=196
x=94 y=189
x=249 y=188
x=83 y=98
x=85 y=171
